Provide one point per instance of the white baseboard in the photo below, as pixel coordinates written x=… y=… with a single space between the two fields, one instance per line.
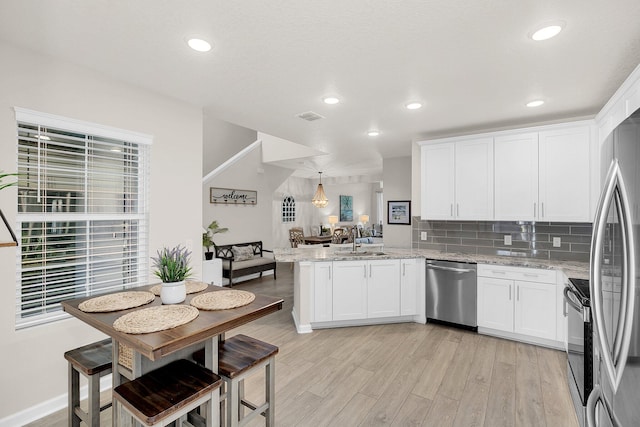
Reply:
x=48 y=407
x=302 y=329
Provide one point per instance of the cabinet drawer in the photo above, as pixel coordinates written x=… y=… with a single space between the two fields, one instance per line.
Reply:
x=517 y=273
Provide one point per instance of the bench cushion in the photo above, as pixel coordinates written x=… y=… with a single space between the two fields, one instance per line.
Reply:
x=239 y=265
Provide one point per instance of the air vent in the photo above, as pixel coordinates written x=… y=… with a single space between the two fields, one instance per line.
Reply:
x=310 y=116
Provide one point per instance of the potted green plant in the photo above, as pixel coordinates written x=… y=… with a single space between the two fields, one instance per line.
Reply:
x=207 y=238
x=172 y=267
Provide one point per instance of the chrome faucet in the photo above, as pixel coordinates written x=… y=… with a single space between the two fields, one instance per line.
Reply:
x=353 y=236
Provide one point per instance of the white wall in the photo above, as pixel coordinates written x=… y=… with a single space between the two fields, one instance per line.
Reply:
x=251 y=222
x=34 y=371
x=222 y=140
x=308 y=216
x=397 y=186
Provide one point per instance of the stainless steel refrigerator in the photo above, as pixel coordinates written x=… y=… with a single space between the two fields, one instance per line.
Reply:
x=615 y=303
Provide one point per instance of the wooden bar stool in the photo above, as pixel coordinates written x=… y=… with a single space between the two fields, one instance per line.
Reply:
x=167 y=394
x=94 y=362
x=239 y=357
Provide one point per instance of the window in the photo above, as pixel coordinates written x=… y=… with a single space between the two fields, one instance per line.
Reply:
x=288 y=209
x=82 y=212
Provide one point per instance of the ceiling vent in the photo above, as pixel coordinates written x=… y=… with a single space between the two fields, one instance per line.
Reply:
x=310 y=116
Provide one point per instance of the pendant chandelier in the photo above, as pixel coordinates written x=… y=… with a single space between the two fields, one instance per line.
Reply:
x=320 y=199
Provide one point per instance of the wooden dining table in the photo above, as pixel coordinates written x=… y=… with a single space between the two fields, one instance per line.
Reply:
x=314 y=240
x=155 y=349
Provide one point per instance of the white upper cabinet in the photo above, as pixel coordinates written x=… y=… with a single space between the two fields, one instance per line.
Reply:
x=539 y=174
x=564 y=174
x=516 y=177
x=457 y=180
x=474 y=179
x=438 y=184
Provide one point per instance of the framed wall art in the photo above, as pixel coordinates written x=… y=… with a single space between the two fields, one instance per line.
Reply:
x=399 y=212
x=230 y=196
x=346 y=208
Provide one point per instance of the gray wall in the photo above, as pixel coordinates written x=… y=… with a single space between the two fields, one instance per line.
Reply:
x=396 y=186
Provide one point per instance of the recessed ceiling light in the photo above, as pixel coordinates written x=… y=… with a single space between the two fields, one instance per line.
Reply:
x=413 y=105
x=199 y=45
x=330 y=100
x=546 y=32
x=373 y=133
x=536 y=103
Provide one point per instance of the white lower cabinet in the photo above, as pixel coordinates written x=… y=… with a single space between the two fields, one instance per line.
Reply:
x=383 y=288
x=519 y=301
x=535 y=309
x=364 y=289
x=322 y=296
x=349 y=290
x=409 y=287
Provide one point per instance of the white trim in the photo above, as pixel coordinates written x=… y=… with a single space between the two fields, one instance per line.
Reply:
x=542 y=128
x=50 y=406
x=301 y=329
x=233 y=159
x=630 y=81
x=59 y=122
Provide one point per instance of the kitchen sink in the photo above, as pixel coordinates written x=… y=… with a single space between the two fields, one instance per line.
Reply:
x=364 y=253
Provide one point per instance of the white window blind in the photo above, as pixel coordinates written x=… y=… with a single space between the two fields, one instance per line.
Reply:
x=82 y=214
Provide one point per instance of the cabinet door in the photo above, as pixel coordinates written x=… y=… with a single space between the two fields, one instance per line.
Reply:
x=322 y=292
x=564 y=174
x=383 y=288
x=438 y=181
x=408 y=287
x=474 y=179
x=495 y=303
x=535 y=310
x=516 y=177
x=350 y=290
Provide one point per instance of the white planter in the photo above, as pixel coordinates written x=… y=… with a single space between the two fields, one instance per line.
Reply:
x=173 y=292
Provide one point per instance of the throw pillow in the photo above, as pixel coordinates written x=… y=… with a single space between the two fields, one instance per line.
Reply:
x=242 y=253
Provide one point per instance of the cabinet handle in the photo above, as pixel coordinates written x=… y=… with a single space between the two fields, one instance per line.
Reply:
x=518 y=293
x=542 y=206
x=530 y=275
x=451 y=210
x=329 y=273
x=534 y=209
x=403 y=267
x=369 y=270
x=365 y=271
x=458 y=210
x=509 y=292
x=498 y=272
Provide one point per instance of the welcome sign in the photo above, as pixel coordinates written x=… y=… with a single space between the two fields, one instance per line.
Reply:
x=230 y=196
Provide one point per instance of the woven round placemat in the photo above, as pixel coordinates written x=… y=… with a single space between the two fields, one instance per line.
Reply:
x=116 y=302
x=192 y=287
x=222 y=300
x=154 y=319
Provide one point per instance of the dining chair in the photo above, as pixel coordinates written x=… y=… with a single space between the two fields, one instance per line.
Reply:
x=338 y=235
x=296 y=236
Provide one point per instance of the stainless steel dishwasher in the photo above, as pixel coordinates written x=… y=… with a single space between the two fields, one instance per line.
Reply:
x=452 y=293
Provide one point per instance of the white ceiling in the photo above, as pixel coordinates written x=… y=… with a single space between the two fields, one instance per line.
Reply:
x=470 y=62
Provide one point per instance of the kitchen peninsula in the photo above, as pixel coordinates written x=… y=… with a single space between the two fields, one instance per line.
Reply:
x=334 y=288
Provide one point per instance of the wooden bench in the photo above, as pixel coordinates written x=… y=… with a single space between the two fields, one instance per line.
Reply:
x=93 y=361
x=241 y=259
x=168 y=393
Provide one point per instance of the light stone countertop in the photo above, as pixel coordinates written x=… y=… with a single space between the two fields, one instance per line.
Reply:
x=579 y=270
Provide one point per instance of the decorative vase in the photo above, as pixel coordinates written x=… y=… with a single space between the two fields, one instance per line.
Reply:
x=173 y=292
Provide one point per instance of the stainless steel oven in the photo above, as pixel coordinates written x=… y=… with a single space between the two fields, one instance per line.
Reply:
x=579 y=344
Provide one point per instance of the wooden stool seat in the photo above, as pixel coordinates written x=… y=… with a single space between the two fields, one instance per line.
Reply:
x=238 y=357
x=167 y=393
x=93 y=361
x=240 y=353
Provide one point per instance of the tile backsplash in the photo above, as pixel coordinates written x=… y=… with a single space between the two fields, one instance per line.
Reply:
x=528 y=239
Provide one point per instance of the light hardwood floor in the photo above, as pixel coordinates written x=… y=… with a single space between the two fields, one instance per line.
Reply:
x=399 y=375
